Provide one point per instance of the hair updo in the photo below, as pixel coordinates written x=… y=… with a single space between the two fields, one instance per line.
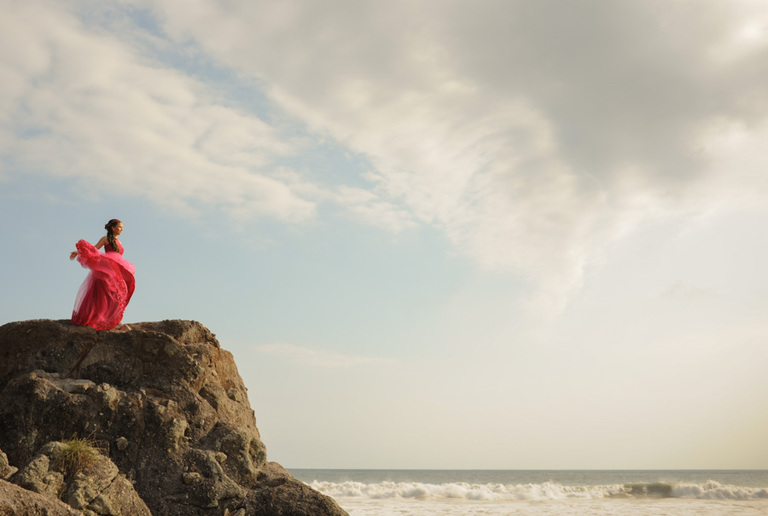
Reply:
x=109 y=226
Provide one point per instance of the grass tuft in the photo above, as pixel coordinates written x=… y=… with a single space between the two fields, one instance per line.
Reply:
x=77 y=454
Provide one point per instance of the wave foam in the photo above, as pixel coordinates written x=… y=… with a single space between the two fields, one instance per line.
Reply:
x=535 y=492
x=712 y=490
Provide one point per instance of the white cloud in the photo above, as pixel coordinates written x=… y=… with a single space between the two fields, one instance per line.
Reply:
x=686 y=291
x=736 y=158
x=530 y=148
x=368 y=206
x=317 y=358
x=81 y=104
x=532 y=142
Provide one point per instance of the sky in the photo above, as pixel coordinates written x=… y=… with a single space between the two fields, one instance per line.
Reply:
x=436 y=234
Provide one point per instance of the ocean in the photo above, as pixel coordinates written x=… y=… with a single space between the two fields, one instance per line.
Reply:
x=538 y=492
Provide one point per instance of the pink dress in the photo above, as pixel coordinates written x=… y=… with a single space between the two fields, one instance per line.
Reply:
x=106 y=291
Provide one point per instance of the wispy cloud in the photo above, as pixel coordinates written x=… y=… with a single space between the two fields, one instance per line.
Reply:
x=318 y=358
x=686 y=291
x=530 y=145
x=83 y=105
x=369 y=207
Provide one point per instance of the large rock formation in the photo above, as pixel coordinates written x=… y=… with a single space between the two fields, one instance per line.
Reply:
x=162 y=409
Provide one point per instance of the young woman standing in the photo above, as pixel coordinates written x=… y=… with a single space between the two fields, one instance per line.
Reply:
x=110 y=283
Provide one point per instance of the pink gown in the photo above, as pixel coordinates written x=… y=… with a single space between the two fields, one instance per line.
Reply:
x=105 y=293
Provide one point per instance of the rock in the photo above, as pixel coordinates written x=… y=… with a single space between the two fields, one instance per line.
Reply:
x=167 y=409
x=192 y=478
x=17 y=500
x=212 y=484
x=121 y=443
x=91 y=483
x=6 y=470
x=245 y=454
x=279 y=493
x=38 y=477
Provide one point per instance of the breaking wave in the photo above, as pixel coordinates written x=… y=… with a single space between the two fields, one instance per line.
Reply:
x=710 y=490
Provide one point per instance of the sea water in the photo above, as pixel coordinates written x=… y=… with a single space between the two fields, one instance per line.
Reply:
x=565 y=493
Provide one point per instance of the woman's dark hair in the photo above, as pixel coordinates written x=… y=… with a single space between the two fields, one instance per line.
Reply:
x=110 y=234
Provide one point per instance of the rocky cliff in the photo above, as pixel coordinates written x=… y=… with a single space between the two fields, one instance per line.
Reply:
x=152 y=419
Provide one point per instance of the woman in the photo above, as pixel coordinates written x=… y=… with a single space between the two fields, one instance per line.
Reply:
x=106 y=291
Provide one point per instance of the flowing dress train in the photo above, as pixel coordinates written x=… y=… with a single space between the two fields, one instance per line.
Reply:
x=107 y=289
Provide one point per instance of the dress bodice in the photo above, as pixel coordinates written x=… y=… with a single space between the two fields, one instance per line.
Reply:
x=110 y=249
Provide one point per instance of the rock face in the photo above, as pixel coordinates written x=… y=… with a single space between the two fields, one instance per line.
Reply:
x=80 y=475
x=164 y=410
x=15 y=500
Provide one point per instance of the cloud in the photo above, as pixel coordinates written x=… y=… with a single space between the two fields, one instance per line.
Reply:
x=368 y=206
x=686 y=291
x=317 y=358
x=81 y=104
x=736 y=158
x=532 y=134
